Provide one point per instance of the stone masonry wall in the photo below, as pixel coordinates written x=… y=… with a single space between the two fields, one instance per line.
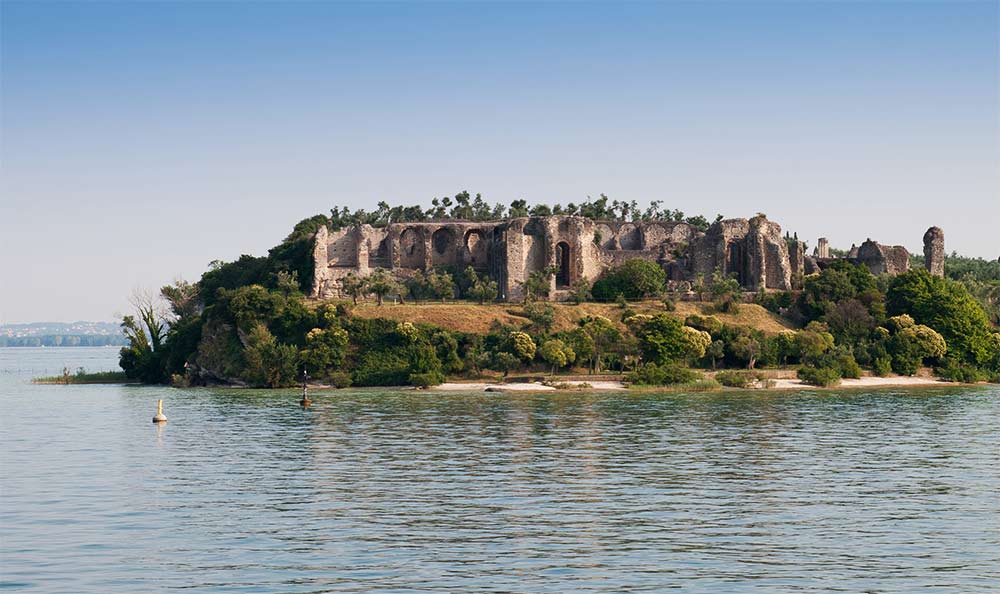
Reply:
x=754 y=251
x=934 y=251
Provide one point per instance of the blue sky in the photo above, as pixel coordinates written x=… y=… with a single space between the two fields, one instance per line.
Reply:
x=142 y=140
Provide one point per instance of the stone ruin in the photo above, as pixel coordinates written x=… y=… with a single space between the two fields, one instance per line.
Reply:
x=753 y=251
x=934 y=251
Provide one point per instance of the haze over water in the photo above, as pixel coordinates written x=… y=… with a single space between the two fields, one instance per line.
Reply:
x=387 y=490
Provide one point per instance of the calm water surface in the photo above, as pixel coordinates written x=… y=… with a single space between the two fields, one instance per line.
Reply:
x=243 y=491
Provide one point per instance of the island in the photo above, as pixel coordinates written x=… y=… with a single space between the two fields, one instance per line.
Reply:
x=469 y=294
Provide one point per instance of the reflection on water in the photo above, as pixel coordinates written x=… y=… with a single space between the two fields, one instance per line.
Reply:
x=244 y=491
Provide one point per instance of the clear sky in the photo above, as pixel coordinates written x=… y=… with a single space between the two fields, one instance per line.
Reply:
x=142 y=140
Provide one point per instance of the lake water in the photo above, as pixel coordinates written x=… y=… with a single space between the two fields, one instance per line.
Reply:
x=387 y=490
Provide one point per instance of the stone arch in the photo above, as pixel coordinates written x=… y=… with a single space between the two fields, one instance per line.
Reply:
x=378 y=254
x=630 y=237
x=736 y=262
x=443 y=246
x=606 y=236
x=411 y=248
x=563 y=277
x=475 y=248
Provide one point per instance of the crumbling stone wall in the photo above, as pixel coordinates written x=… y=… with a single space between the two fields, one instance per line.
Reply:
x=934 y=251
x=796 y=259
x=822 y=248
x=883 y=259
x=751 y=250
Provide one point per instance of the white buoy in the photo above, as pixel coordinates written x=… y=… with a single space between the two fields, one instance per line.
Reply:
x=160 y=417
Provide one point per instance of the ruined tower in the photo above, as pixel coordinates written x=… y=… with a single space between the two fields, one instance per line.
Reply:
x=934 y=251
x=822 y=248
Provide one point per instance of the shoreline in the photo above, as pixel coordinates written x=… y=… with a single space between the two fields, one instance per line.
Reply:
x=779 y=384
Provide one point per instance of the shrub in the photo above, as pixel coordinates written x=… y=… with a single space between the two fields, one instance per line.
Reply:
x=819 y=376
x=340 y=379
x=652 y=374
x=710 y=324
x=848 y=367
x=268 y=363
x=426 y=380
x=634 y=279
x=542 y=316
x=882 y=366
x=743 y=379
x=702 y=385
x=954 y=370
x=381 y=368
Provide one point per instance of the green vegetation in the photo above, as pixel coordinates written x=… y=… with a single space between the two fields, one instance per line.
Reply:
x=465 y=207
x=743 y=379
x=247 y=322
x=82 y=377
x=635 y=279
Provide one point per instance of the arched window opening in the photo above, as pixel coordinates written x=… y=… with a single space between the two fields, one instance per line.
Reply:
x=562 y=264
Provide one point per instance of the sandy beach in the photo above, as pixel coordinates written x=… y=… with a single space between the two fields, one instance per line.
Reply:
x=779 y=384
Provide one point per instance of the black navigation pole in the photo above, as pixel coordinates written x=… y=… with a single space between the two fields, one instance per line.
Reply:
x=305 y=388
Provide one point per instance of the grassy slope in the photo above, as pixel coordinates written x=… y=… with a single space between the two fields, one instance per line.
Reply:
x=474 y=318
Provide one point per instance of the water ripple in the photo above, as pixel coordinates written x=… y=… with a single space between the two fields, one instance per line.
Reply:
x=243 y=491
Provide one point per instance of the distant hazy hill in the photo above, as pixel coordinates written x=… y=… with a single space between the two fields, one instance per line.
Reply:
x=37 y=334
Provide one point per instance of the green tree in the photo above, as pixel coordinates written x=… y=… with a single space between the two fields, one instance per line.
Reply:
x=725 y=292
x=947 y=307
x=268 y=363
x=664 y=339
x=325 y=350
x=635 y=279
x=538 y=284
x=556 y=353
x=143 y=357
x=504 y=362
x=522 y=345
x=442 y=284
x=518 y=209
x=381 y=283
x=542 y=316
x=484 y=290
x=580 y=291
x=354 y=286
x=602 y=334
x=849 y=321
x=813 y=342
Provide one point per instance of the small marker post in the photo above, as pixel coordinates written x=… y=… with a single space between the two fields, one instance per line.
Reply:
x=305 y=388
x=160 y=417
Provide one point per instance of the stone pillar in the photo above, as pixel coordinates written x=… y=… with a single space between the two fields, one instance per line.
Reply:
x=797 y=258
x=394 y=248
x=320 y=268
x=426 y=235
x=934 y=251
x=361 y=247
x=822 y=248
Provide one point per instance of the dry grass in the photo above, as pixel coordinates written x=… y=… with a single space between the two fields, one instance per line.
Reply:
x=474 y=318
